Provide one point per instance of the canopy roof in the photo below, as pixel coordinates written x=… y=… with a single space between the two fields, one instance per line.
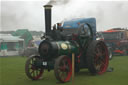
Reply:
x=9 y=38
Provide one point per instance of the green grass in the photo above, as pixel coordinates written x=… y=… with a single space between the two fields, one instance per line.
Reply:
x=12 y=73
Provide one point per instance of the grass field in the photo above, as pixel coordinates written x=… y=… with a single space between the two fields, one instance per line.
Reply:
x=12 y=73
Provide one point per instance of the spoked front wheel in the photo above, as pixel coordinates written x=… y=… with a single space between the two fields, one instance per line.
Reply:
x=63 y=69
x=32 y=71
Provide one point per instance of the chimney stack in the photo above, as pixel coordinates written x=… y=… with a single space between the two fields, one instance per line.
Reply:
x=47 y=10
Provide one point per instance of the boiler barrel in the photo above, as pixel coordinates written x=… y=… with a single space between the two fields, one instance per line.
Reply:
x=56 y=48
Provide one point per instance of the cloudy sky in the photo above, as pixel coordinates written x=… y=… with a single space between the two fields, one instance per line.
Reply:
x=30 y=14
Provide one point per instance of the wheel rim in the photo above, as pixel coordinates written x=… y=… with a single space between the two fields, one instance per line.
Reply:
x=101 y=58
x=32 y=71
x=63 y=69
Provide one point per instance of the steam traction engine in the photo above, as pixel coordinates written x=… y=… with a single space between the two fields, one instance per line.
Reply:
x=76 y=36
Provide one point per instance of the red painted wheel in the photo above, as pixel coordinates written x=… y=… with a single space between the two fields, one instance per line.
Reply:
x=97 y=57
x=31 y=70
x=63 y=69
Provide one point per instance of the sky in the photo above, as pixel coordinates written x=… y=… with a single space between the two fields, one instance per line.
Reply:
x=29 y=14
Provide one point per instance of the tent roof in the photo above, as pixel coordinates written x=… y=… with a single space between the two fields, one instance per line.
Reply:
x=8 y=37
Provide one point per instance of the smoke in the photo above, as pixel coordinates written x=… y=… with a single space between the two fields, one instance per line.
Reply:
x=108 y=14
x=30 y=14
x=57 y=2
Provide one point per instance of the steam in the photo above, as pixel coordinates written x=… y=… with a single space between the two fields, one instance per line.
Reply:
x=30 y=14
x=57 y=2
x=108 y=14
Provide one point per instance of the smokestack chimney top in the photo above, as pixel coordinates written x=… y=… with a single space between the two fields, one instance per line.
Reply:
x=47 y=6
x=47 y=9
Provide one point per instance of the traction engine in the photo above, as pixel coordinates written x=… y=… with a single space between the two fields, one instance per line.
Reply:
x=76 y=36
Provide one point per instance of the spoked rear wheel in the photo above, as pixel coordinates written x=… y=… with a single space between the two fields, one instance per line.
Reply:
x=97 y=57
x=31 y=70
x=63 y=69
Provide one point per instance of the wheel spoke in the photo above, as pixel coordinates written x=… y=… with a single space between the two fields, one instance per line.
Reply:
x=63 y=75
x=34 y=74
x=98 y=54
x=103 y=63
x=97 y=66
x=99 y=61
x=64 y=63
x=103 y=55
x=61 y=68
x=32 y=61
x=32 y=71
